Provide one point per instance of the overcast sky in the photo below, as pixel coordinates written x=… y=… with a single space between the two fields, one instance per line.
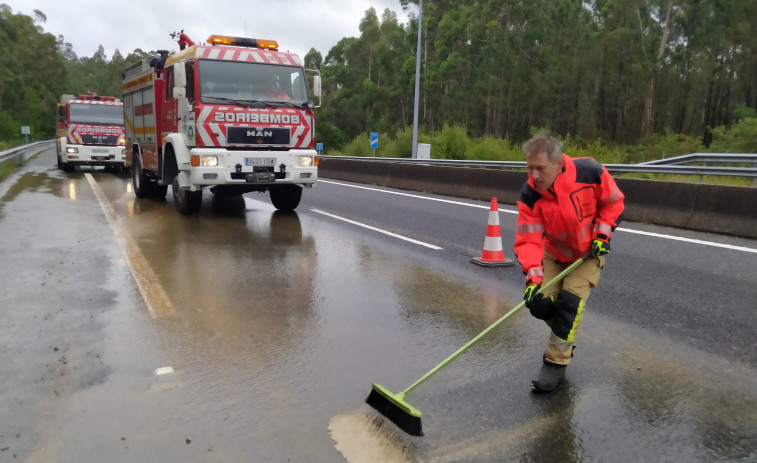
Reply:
x=126 y=25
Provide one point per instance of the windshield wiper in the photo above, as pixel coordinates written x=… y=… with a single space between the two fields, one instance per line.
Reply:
x=248 y=103
x=288 y=104
x=261 y=103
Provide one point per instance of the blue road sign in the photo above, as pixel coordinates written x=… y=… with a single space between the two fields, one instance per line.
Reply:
x=319 y=146
x=374 y=139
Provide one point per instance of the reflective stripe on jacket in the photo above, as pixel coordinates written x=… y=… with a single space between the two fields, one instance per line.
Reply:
x=565 y=219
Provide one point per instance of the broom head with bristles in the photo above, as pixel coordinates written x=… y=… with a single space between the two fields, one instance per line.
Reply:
x=395 y=409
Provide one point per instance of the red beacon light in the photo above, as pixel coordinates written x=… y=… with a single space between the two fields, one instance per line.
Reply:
x=243 y=42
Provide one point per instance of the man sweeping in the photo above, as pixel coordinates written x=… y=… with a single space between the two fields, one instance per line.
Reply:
x=567 y=209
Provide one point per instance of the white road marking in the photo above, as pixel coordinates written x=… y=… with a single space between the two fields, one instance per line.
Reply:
x=690 y=240
x=163 y=371
x=460 y=203
x=154 y=295
x=376 y=229
x=510 y=211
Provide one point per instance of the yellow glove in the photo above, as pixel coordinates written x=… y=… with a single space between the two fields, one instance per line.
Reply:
x=599 y=248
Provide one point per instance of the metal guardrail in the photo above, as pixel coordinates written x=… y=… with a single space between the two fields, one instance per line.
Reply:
x=15 y=157
x=21 y=151
x=704 y=158
x=674 y=165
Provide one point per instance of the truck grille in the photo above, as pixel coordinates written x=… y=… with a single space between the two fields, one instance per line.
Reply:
x=92 y=139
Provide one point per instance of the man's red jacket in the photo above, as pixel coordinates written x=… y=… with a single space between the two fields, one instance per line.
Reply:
x=583 y=202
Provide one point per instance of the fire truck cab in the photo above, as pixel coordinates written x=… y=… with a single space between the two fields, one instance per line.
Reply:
x=90 y=132
x=232 y=116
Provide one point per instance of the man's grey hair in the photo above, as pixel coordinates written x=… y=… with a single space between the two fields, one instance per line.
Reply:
x=544 y=143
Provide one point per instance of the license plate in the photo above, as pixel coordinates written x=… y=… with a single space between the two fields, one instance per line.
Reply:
x=98 y=150
x=259 y=161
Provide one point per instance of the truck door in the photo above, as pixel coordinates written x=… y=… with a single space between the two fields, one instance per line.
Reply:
x=169 y=115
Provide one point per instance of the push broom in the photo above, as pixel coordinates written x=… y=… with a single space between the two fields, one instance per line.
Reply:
x=408 y=418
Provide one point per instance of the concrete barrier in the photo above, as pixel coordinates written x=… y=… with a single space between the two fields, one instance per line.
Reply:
x=711 y=208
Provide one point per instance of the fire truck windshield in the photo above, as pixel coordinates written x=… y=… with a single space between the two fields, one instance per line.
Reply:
x=102 y=114
x=251 y=82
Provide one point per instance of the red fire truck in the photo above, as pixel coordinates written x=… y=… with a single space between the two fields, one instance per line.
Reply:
x=234 y=115
x=90 y=132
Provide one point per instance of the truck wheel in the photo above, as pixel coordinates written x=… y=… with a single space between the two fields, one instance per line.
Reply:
x=60 y=164
x=285 y=197
x=139 y=180
x=187 y=202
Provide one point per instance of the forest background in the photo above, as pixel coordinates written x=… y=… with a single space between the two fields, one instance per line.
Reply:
x=623 y=81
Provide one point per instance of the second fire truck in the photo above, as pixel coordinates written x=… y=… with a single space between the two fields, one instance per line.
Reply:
x=232 y=116
x=90 y=132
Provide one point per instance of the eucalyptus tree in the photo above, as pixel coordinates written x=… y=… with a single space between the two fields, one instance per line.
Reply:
x=30 y=75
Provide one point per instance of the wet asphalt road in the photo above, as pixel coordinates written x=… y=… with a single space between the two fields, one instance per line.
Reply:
x=276 y=325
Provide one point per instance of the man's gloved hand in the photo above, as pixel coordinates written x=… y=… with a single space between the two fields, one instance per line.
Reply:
x=600 y=246
x=530 y=294
x=539 y=306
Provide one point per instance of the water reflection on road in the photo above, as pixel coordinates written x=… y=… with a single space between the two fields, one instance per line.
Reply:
x=282 y=321
x=294 y=317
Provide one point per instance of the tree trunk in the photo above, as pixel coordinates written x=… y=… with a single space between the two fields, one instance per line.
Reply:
x=647 y=123
x=508 y=110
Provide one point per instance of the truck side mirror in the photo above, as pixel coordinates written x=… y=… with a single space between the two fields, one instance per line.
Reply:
x=317 y=86
x=180 y=75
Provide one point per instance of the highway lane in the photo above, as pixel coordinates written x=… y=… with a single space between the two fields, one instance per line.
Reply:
x=277 y=325
x=699 y=288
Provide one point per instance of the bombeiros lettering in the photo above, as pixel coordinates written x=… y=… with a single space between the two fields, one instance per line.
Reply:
x=99 y=130
x=256 y=118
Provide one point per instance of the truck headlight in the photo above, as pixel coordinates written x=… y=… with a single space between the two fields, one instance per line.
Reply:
x=72 y=150
x=209 y=161
x=304 y=161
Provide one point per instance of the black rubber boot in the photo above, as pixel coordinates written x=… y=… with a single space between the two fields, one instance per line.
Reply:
x=550 y=376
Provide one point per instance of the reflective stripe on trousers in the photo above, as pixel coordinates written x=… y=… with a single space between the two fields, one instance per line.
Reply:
x=569 y=305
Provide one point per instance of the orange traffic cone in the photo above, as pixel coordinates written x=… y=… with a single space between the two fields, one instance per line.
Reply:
x=493 y=255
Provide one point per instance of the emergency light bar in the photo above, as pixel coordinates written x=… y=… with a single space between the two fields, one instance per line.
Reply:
x=95 y=96
x=243 y=42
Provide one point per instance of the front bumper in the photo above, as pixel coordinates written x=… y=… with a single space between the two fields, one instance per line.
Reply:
x=250 y=167
x=94 y=155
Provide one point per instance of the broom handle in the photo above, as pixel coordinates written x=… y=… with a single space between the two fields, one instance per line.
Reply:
x=504 y=317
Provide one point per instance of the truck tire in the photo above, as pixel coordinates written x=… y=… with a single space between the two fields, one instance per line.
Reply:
x=285 y=197
x=187 y=202
x=139 y=180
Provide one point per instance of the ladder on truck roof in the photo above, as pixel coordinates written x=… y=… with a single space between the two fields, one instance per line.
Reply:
x=143 y=67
